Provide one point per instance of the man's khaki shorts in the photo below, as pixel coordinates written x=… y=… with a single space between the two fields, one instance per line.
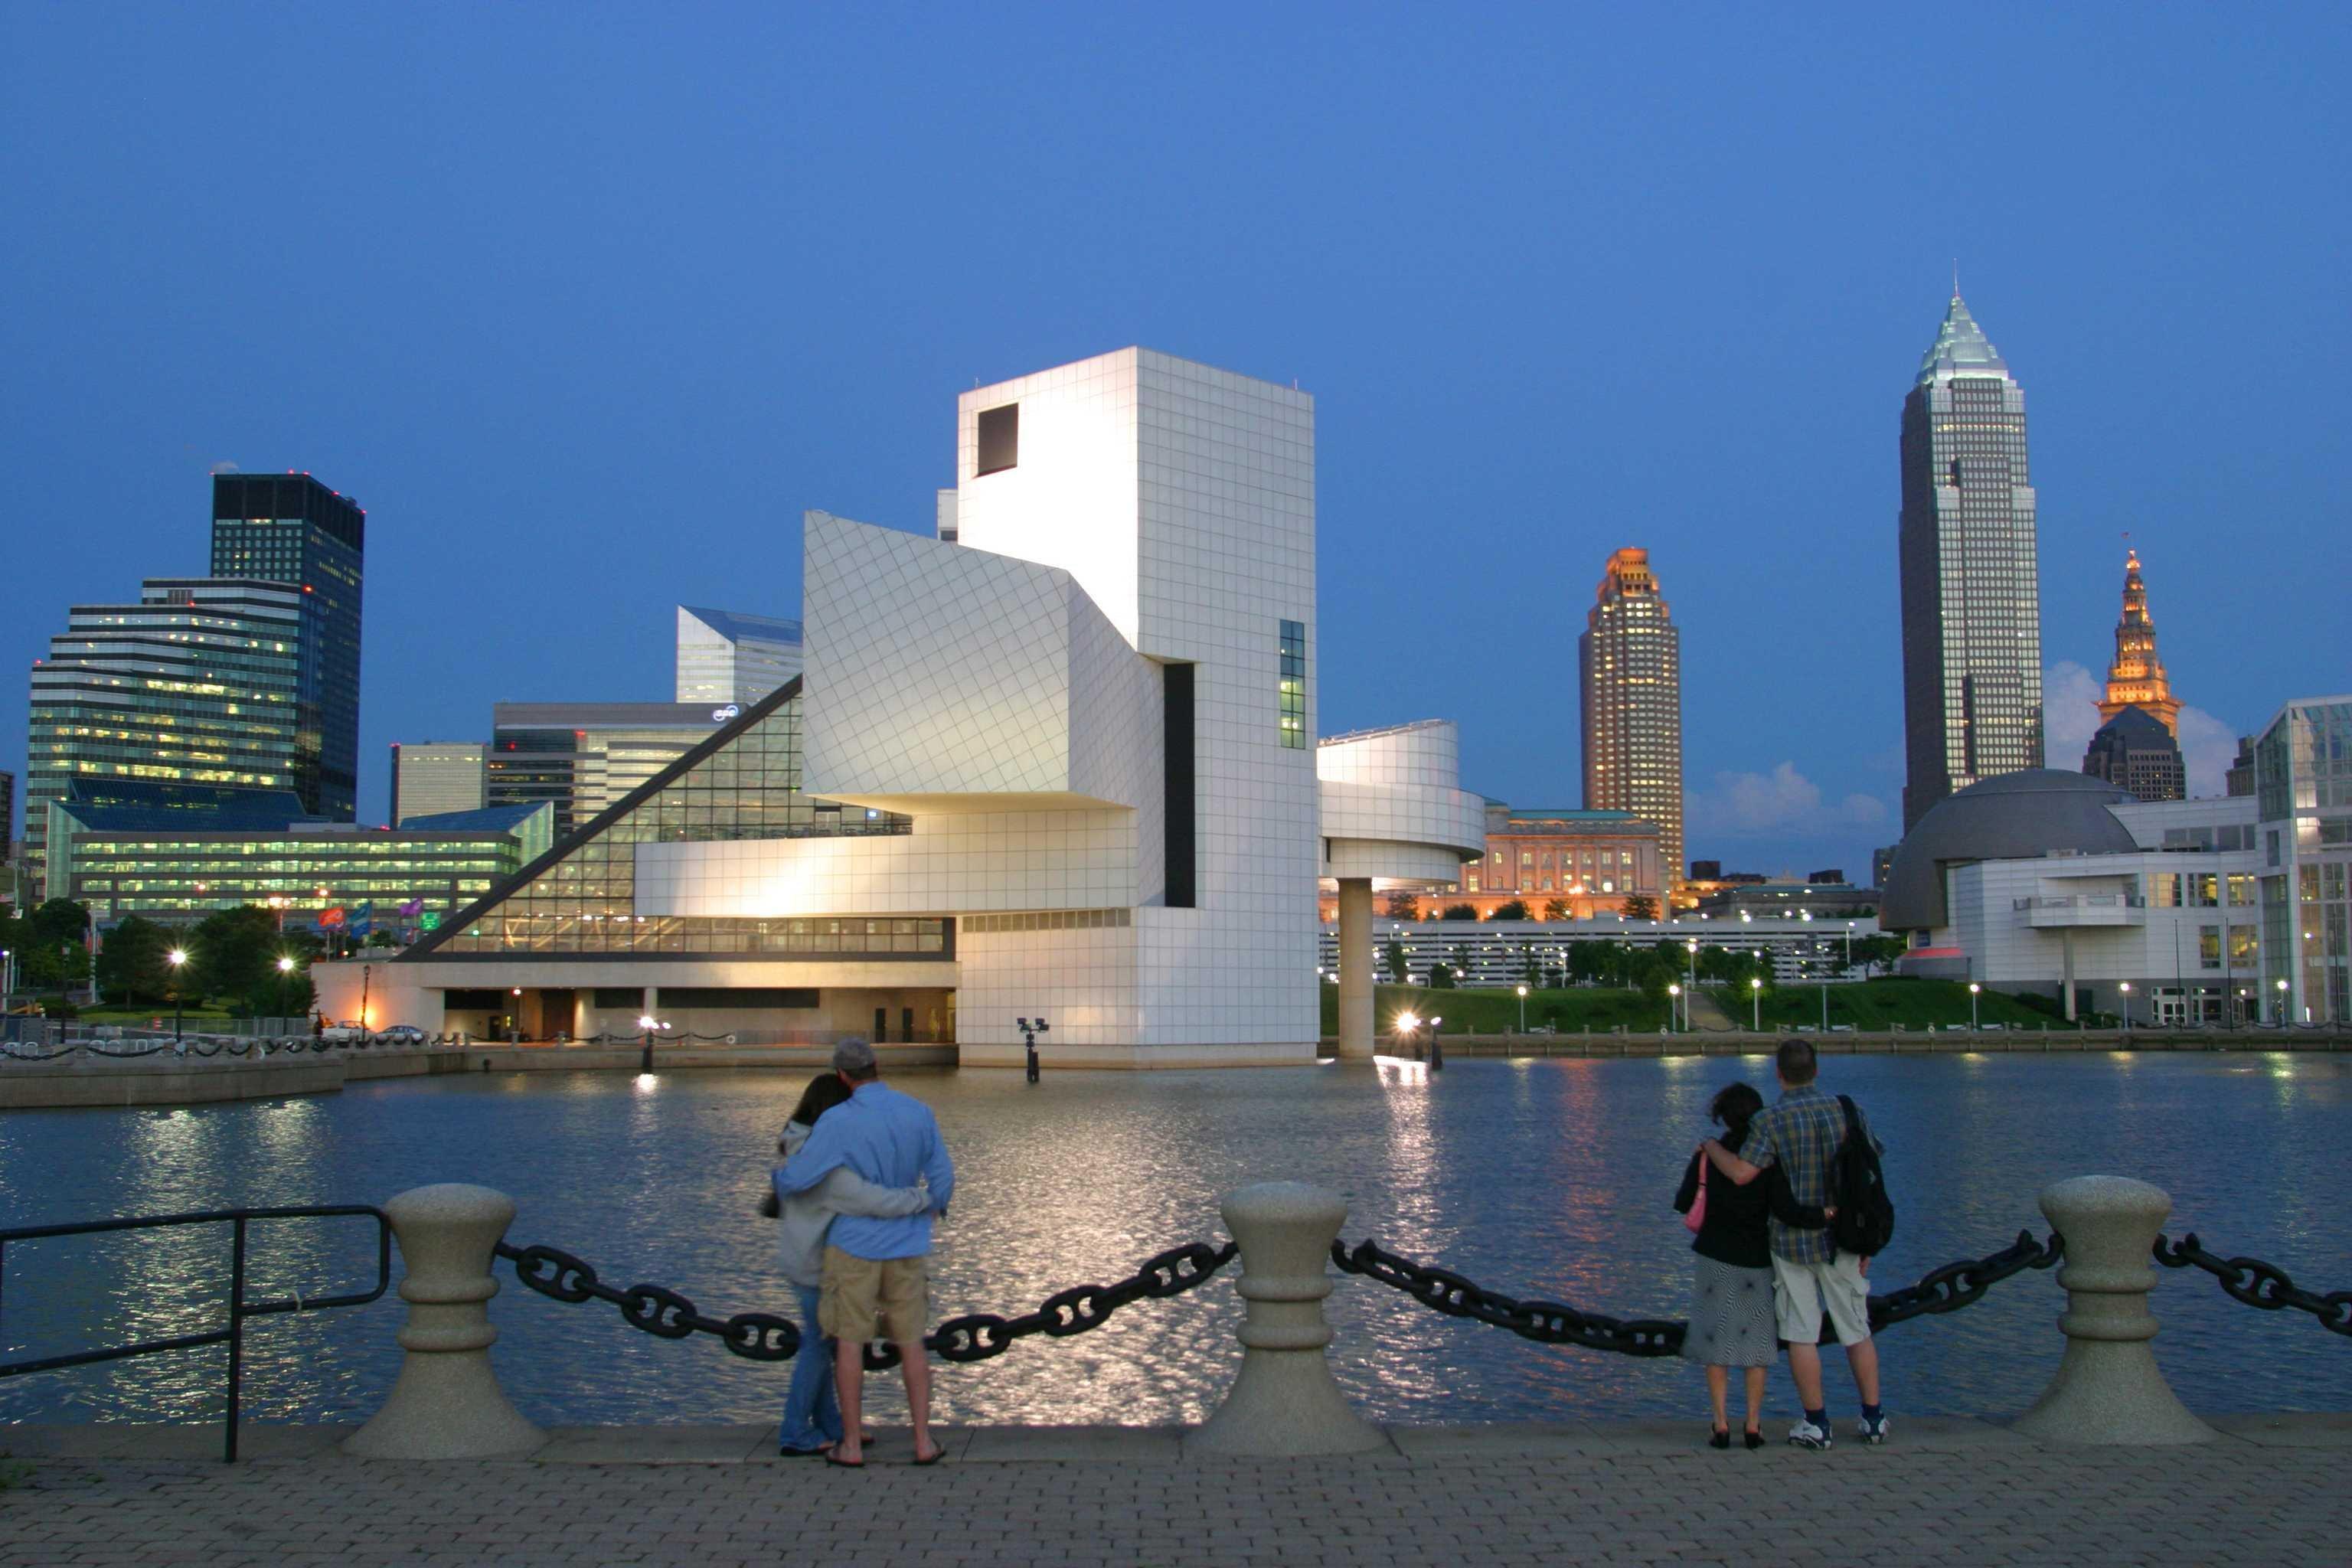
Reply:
x=865 y=1298
x=1800 y=1293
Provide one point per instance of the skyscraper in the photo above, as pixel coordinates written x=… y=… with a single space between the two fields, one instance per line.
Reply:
x=1630 y=656
x=723 y=657
x=432 y=778
x=2134 y=751
x=1971 y=589
x=2137 y=680
x=290 y=528
x=197 y=683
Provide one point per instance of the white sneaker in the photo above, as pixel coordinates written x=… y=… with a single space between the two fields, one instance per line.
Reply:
x=1805 y=1435
x=1871 y=1432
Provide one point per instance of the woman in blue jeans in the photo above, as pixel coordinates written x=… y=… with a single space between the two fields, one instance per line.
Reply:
x=811 y=1416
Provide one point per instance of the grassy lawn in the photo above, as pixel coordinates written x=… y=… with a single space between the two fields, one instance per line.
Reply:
x=1497 y=1012
x=1876 y=1003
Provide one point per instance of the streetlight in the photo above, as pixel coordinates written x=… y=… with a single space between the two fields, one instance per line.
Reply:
x=1673 y=992
x=1973 y=989
x=175 y=958
x=1755 y=1005
x=1436 y=1050
x=1523 y=1009
x=647 y=1025
x=1405 y=1026
x=1029 y=1030
x=2127 y=1017
x=2282 y=991
x=284 y=972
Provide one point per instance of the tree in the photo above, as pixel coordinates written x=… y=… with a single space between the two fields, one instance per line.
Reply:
x=1403 y=904
x=1393 y=956
x=1640 y=907
x=1441 y=976
x=1554 y=909
x=1459 y=913
x=1874 y=952
x=234 y=954
x=47 y=943
x=131 y=963
x=1509 y=909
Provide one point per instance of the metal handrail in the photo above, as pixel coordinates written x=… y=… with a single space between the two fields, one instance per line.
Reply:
x=240 y=1307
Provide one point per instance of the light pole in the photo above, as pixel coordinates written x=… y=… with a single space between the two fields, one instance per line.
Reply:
x=1523 y=1009
x=1436 y=1049
x=177 y=957
x=1973 y=989
x=1755 y=1005
x=1405 y=1026
x=1029 y=1032
x=647 y=1025
x=1673 y=993
x=2282 y=1013
x=285 y=972
x=2125 y=988
x=1849 y=947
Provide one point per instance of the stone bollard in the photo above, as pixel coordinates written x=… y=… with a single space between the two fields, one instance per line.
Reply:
x=2108 y=1388
x=1285 y=1403
x=447 y=1402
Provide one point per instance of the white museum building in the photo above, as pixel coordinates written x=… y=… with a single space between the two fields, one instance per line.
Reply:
x=1058 y=762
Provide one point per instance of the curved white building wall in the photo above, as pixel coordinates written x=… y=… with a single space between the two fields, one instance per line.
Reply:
x=1392 y=808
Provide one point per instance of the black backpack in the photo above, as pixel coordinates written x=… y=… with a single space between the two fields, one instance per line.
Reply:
x=1865 y=1215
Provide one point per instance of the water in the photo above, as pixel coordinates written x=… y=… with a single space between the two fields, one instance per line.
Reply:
x=1539 y=1178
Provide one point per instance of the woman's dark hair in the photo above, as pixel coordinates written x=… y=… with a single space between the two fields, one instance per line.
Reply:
x=1732 y=1107
x=823 y=1092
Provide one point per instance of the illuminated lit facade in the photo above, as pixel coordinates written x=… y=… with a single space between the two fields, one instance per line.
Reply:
x=1971 y=596
x=726 y=657
x=429 y=777
x=2303 y=796
x=2136 y=679
x=1061 y=766
x=583 y=757
x=198 y=683
x=1631 y=657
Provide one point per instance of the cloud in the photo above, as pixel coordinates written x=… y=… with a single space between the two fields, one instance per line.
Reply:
x=1783 y=801
x=2070 y=716
x=225 y=467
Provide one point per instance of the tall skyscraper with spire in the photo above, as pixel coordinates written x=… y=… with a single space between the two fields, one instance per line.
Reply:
x=1971 y=587
x=1631 y=657
x=2137 y=680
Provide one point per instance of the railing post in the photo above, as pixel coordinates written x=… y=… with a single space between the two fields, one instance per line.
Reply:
x=2108 y=1388
x=447 y=1402
x=1285 y=1403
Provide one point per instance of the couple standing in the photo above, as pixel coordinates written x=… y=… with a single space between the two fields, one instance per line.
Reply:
x=865 y=1172
x=1768 y=1264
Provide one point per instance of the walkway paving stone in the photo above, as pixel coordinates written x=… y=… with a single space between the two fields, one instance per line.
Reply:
x=1963 y=1494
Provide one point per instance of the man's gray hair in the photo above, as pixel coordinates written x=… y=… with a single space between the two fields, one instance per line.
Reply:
x=854 y=1058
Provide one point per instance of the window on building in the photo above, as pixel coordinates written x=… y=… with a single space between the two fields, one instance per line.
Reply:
x=2208 y=947
x=999 y=439
x=1293 y=686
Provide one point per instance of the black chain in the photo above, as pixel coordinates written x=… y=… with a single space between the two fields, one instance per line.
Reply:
x=980 y=1335
x=755 y=1336
x=2259 y=1284
x=1546 y=1322
x=1946 y=1289
x=761 y=1336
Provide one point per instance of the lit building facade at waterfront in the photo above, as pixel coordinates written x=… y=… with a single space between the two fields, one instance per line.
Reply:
x=725 y=657
x=1631 y=694
x=1063 y=767
x=2302 y=795
x=198 y=683
x=430 y=777
x=1972 y=598
x=583 y=757
x=290 y=528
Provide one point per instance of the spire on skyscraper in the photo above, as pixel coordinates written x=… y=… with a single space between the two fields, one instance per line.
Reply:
x=1960 y=347
x=2137 y=677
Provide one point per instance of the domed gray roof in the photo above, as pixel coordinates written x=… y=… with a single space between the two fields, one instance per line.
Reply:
x=2009 y=817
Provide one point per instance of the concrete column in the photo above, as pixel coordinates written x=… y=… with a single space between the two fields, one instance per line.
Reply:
x=447 y=1402
x=2108 y=1388
x=1285 y=1403
x=2066 y=947
x=1356 y=968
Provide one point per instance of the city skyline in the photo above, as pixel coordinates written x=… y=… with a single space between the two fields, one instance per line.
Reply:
x=521 y=438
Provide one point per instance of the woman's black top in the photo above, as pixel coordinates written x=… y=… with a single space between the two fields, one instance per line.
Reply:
x=1734 y=1230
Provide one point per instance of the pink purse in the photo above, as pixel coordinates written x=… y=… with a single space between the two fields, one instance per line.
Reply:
x=1697 y=1214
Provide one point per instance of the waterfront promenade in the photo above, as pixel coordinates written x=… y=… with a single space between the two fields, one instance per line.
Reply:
x=1961 y=1492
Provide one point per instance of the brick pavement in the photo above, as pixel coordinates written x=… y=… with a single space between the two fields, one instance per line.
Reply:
x=1965 y=1493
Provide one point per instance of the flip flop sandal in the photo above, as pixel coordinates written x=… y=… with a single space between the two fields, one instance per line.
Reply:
x=833 y=1457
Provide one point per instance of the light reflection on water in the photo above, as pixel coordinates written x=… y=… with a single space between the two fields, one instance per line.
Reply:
x=1545 y=1179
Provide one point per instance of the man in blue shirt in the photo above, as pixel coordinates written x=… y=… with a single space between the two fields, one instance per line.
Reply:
x=874 y=1275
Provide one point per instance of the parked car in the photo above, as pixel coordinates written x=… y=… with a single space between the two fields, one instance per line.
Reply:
x=401 y=1034
x=347 y=1032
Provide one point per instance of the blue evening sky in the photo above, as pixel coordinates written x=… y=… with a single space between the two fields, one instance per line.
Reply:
x=586 y=303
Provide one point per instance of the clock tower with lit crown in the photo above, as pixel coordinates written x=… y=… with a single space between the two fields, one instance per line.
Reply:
x=2137 y=680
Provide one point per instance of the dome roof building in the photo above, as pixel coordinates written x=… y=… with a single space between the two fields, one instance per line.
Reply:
x=2010 y=816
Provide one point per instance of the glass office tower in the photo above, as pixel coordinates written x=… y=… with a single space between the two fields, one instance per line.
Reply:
x=290 y=528
x=726 y=657
x=198 y=683
x=1972 y=585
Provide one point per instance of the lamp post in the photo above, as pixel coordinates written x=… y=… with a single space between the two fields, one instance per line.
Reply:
x=1755 y=1005
x=1674 y=993
x=1405 y=1026
x=1029 y=1032
x=285 y=972
x=2125 y=988
x=1436 y=1049
x=1523 y=1009
x=2281 y=1013
x=1849 y=947
x=514 y=1027
x=177 y=957
x=1973 y=989
x=647 y=1025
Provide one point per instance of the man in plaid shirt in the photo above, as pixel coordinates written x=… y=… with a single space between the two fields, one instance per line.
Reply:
x=1800 y=1132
